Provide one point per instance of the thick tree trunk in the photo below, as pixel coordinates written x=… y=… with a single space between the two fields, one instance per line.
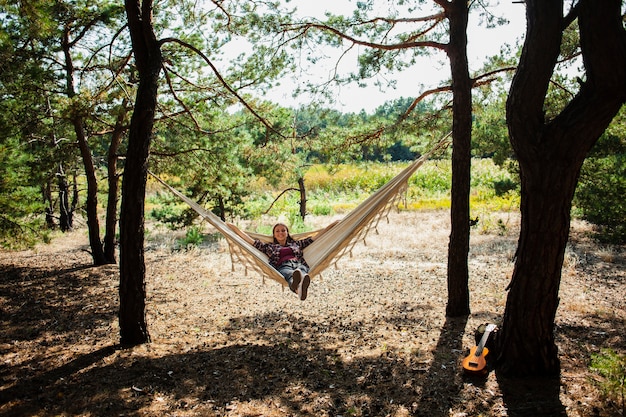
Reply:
x=550 y=155
x=458 y=249
x=547 y=191
x=133 y=328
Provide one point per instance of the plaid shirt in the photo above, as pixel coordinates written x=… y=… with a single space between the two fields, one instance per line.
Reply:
x=272 y=250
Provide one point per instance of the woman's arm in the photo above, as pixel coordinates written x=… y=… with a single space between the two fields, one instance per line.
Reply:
x=241 y=234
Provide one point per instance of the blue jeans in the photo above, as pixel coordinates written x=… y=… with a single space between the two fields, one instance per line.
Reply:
x=287 y=269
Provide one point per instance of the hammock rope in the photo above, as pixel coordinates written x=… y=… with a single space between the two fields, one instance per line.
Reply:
x=328 y=248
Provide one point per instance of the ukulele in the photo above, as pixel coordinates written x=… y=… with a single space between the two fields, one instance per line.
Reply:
x=475 y=362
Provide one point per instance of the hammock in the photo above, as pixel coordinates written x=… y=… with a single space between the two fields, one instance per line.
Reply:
x=328 y=248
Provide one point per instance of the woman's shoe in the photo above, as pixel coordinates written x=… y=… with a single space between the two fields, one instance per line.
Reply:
x=296 y=280
x=304 y=287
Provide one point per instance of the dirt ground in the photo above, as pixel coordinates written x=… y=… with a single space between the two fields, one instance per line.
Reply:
x=372 y=338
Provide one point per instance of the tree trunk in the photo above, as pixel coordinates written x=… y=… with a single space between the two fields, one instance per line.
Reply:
x=65 y=214
x=75 y=198
x=146 y=49
x=458 y=275
x=111 y=219
x=46 y=192
x=533 y=298
x=302 y=189
x=221 y=207
x=91 y=204
x=550 y=154
x=113 y=178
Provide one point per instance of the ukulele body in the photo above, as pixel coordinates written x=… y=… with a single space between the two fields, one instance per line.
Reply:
x=476 y=363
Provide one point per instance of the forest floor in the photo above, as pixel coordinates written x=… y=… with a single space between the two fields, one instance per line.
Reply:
x=372 y=338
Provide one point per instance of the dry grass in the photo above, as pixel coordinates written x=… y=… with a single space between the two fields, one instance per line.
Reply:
x=371 y=340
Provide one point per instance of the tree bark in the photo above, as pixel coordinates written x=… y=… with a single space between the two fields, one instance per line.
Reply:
x=458 y=248
x=551 y=154
x=65 y=212
x=46 y=193
x=91 y=204
x=113 y=178
x=221 y=207
x=302 y=189
x=148 y=58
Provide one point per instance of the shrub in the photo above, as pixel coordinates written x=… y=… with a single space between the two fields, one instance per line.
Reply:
x=193 y=237
x=321 y=208
x=173 y=216
x=612 y=367
x=503 y=186
x=600 y=196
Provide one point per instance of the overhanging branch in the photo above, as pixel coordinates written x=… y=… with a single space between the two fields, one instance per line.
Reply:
x=224 y=83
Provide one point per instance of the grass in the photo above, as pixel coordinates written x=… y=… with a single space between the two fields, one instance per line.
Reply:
x=338 y=189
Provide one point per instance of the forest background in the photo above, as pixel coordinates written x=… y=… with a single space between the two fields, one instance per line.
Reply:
x=69 y=80
x=214 y=148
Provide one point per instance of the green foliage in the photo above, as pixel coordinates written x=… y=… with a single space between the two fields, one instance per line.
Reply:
x=321 y=208
x=337 y=189
x=612 y=367
x=19 y=199
x=296 y=222
x=601 y=189
x=174 y=216
x=432 y=178
x=501 y=187
x=348 y=178
x=193 y=237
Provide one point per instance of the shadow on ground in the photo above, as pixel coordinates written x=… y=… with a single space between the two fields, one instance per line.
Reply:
x=296 y=374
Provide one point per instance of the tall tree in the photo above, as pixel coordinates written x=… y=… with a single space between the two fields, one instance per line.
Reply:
x=457 y=12
x=148 y=52
x=148 y=59
x=27 y=85
x=551 y=150
x=64 y=42
x=420 y=35
x=76 y=24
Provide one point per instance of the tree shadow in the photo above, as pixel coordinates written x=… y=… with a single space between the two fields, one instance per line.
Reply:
x=531 y=397
x=30 y=389
x=276 y=363
x=442 y=383
x=39 y=301
x=291 y=369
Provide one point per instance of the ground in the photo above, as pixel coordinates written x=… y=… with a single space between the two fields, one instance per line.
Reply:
x=372 y=338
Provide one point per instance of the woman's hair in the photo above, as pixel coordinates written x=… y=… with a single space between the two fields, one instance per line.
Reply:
x=289 y=238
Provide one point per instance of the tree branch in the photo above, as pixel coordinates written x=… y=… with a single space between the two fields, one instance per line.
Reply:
x=179 y=101
x=277 y=197
x=224 y=83
x=387 y=47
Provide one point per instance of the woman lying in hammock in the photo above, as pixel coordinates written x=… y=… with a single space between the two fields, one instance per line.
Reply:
x=286 y=255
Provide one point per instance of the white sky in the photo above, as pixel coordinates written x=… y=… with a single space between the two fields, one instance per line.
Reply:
x=428 y=73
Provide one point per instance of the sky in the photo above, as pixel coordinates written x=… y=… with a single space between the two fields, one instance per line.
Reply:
x=427 y=73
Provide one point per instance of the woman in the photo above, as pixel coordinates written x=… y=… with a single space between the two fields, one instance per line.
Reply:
x=286 y=255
